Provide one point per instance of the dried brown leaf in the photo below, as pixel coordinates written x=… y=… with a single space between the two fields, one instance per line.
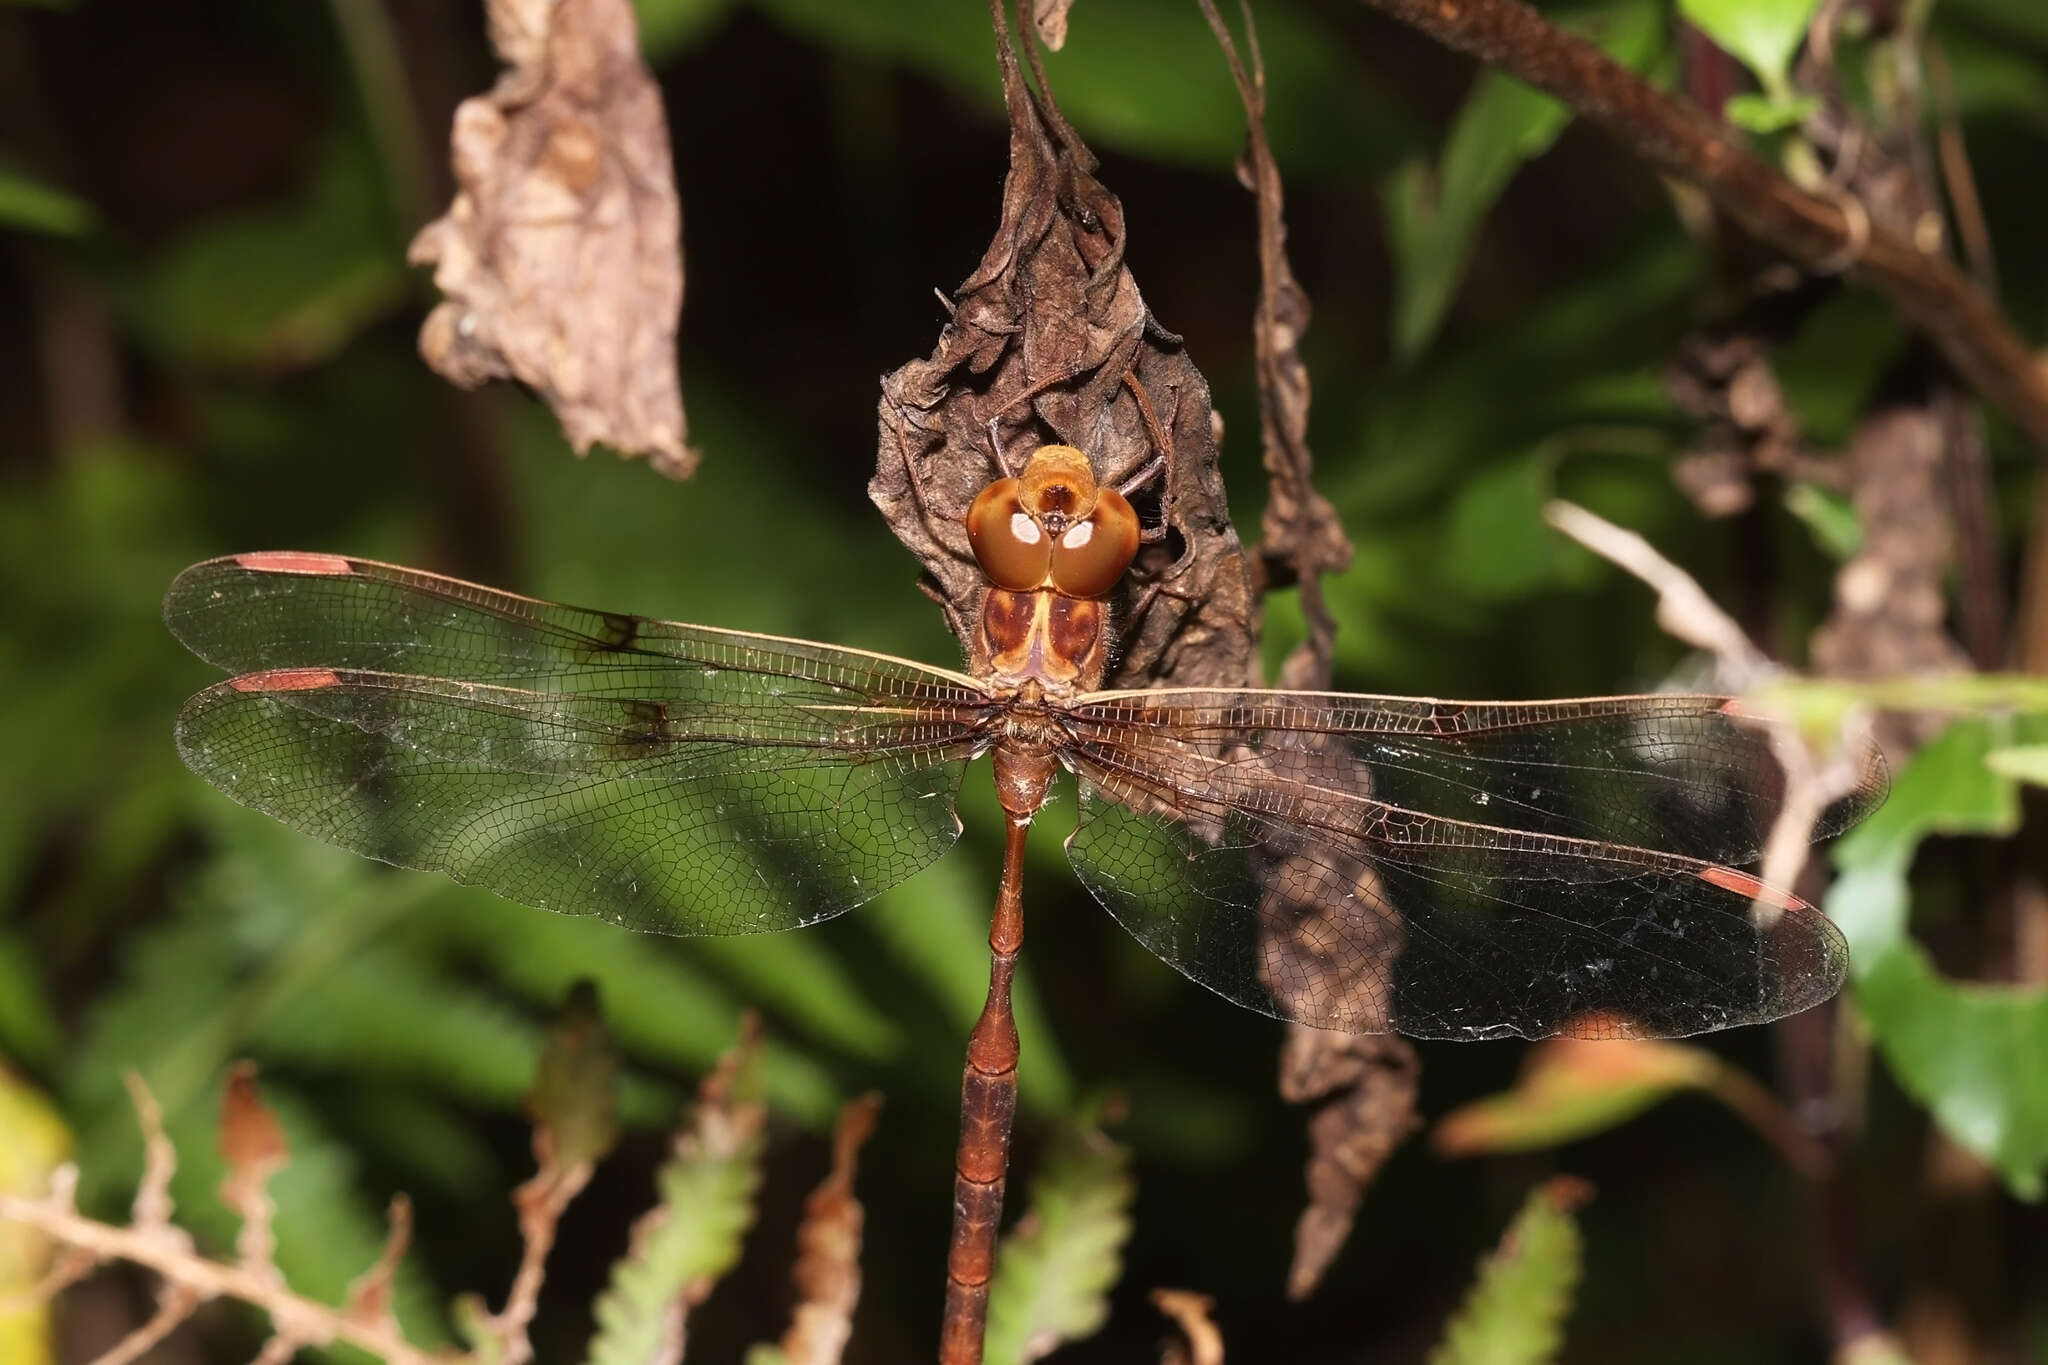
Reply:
x=1050 y=19
x=827 y=1272
x=1300 y=536
x=1202 y=1344
x=153 y=1206
x=254 y=1148
x=1051 y=340
x=369 y=1294
x=1367 y=1084
x=561 y=256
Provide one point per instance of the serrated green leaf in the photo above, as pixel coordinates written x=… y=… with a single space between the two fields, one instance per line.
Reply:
x=1055 y=1270
x=1514 y=1314
x=1974 y=1054
x=1434 y=213
x=1762 y=34
x=31 y=206
x=692 y=1236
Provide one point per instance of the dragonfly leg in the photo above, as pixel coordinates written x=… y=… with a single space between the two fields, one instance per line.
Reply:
x=995 y=441
x=988 y=1107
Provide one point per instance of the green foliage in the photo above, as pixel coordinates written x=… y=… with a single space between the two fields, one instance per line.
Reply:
x=1973 y=1053
x=267 y=395
x=1829 y=516
x=29 y=205
x=277 y=288
x=1435 y=211
x=1515 y=1312
x=1763 y=35
x=1571 y=1090
x=668 y=26
x=692 y=1236
x=1143 y=76
x=1056 y=1267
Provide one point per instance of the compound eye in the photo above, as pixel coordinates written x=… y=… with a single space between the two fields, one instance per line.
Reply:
x=1012 y=549
x=1091 y=557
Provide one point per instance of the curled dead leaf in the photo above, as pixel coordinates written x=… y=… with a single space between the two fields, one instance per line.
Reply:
x=561 y=256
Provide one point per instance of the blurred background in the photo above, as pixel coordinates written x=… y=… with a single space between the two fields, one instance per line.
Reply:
x=207 y=345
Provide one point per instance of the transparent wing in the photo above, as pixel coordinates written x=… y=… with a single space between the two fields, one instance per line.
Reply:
x=1455 y=870
x=665 y=777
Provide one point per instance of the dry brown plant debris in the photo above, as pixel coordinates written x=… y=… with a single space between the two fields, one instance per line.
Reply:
x=561 y=256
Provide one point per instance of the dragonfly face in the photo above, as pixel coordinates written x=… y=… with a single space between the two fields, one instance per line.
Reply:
x=1052 y=544
x=1360 y=863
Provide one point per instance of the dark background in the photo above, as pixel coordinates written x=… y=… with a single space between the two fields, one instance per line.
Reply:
x=221 y=358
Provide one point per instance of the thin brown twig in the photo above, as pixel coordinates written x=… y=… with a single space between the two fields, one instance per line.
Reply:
x=541 y=1202
x=1677 y=137
x=1686 y=612
x=153 y=1208
x=1957 y=175
x=174 y=1305
x=174 y=1259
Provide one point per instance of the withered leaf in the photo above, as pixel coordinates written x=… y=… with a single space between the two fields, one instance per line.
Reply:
x=561 y=256
x=827 y=1272
x=1051 y=341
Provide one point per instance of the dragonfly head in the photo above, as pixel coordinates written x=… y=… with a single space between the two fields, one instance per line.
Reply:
x=1053 y=527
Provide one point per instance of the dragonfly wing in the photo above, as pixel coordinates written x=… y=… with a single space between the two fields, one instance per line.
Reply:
x=683 y=780
x=1679 y=773
x=256 y=612
x=1246 y=841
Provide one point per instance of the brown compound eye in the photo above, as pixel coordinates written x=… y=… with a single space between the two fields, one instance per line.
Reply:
x=1089 y=559
x=1012 y=549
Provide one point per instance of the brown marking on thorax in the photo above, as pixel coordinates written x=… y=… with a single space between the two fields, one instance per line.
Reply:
x=1044 y=636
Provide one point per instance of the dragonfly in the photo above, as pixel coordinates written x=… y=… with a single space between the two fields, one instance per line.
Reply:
x=1444 y=869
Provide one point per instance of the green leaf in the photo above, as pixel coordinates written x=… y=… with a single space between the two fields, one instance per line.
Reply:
x=2027 y=762
x=576 y=1082
x=1569 y=1090
x=1829 y=516
x=1144 y=76
x=1766 y=114
x=32 y=206
x=278 y=288
x=1974 y=1054
x=1433 y=213
x=29 y=1031
x=1762 y=34
x=2027 y=19
x=667 y=27
x=1514 y=1314
x=1055 y=1269
x=692 y=1237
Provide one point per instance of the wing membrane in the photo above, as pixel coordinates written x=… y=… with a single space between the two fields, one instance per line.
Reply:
x=1678 y=773
x=1547 y=867
x=665 y=777
x=258 y=612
